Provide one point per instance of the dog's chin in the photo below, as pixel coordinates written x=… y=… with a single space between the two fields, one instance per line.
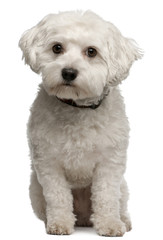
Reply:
x=69 y=91
x=64 y=90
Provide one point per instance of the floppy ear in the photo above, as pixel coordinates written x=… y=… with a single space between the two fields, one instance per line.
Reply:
x=122 y=53
x=28 y=45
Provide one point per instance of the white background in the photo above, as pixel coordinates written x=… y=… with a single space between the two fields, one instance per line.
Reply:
x=143 y=92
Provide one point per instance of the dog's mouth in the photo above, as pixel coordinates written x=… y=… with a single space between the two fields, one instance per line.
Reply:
x=67 y=84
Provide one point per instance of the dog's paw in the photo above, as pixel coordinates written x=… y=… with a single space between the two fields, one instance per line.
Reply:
x=127 y=221
x=59 y=229
x=110 y=227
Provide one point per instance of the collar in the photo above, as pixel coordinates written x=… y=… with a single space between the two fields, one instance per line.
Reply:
x=74 y=104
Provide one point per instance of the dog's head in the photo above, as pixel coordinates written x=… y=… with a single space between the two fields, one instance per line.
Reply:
x=78 y=54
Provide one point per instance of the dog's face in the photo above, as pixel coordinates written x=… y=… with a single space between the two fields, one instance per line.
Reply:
x=78 y=54
x=72 y=62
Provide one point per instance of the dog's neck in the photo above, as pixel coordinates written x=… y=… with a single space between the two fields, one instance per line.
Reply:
x=91 y=103
x=74 y=104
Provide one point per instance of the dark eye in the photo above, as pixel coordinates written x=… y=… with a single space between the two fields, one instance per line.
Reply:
x=91 y=52
x=57 y=48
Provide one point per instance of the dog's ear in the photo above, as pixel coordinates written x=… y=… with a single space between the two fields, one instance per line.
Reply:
x=122 y=53
x=28 y=45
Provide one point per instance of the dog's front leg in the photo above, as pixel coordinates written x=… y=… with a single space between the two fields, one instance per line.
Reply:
x=58 y=197
x=105 y=199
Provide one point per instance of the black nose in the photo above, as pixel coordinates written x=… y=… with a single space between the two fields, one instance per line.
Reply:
x=69 y=74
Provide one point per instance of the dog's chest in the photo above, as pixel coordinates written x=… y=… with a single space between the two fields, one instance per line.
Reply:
x=79 y=167
x=78 y=147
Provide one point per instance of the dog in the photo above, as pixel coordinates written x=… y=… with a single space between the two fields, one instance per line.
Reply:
x=78 y=130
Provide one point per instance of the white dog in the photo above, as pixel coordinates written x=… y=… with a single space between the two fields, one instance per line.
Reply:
x=78 y=130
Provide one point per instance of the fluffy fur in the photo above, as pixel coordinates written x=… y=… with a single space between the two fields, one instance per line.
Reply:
x=79 y=154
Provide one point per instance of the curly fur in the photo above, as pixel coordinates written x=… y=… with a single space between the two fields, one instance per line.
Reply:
x=79 y=155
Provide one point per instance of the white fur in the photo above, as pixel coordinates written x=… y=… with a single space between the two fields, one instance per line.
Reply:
x=77 y=147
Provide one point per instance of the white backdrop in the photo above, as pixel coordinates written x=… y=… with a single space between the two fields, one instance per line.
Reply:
x=143 y=92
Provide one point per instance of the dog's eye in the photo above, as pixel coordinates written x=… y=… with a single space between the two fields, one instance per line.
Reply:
x=57 y=48
x=91 y=52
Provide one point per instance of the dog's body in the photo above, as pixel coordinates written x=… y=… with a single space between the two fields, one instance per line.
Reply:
x=78 y=147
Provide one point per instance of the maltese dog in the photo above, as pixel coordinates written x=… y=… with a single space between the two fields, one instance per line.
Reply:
x=78 y=131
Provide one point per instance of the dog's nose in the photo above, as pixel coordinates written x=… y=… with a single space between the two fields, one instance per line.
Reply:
x=69 y=74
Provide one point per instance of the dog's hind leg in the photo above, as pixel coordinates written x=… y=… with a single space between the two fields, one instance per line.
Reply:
x=123 y=205
x=37 y=199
